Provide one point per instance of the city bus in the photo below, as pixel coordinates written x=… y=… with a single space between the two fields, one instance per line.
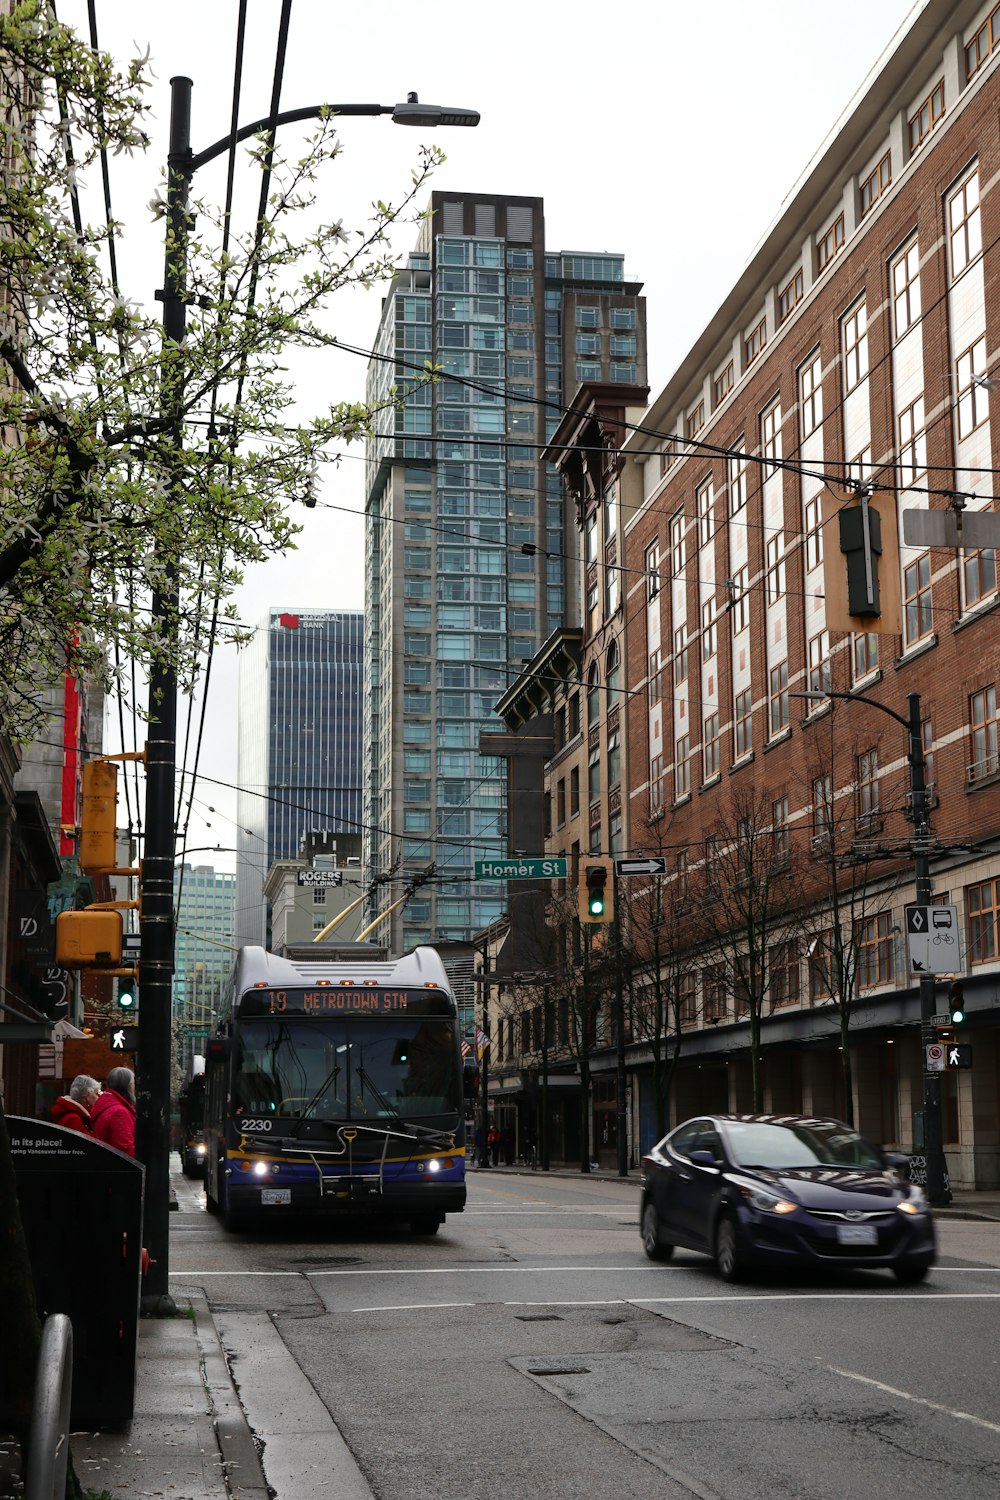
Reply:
x=191 y=1113
x=334 y=1087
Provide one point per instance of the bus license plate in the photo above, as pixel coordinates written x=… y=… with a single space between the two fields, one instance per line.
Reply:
x=275 y=1195
x=857 y=1234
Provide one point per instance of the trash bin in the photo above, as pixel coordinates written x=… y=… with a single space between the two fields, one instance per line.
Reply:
x=81 y=1206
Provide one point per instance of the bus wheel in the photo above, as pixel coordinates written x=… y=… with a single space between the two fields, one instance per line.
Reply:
x=426 y=1223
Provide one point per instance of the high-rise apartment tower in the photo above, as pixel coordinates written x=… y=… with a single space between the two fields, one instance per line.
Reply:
x=469 y=552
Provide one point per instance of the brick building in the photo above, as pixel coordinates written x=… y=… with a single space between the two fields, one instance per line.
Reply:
x=857 y=354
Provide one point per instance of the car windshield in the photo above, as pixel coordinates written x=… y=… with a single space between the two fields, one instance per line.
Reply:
x=808 y=1143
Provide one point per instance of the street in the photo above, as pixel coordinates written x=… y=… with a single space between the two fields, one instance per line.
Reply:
x=530 y=1349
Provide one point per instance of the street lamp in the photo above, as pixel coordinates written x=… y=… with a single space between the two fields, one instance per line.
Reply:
x=933 y=1135
x=156 y=963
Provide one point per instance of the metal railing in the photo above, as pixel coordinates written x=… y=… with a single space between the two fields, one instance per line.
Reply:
x=48 y=1447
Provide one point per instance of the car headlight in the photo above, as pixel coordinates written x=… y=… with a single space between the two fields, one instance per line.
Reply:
x=915 y=1204
x=767 y=1203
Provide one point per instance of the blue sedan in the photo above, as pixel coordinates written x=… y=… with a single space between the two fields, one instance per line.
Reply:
x=783 y=1190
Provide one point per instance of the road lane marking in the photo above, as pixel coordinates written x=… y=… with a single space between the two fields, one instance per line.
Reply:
x=440 y=1271
x=890 y=1390
x=412 y=1306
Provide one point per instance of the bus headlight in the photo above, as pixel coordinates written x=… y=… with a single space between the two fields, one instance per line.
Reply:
x=434 y=1166
x=260 y=1168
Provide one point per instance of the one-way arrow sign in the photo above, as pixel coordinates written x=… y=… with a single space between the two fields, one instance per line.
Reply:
x=640 y=866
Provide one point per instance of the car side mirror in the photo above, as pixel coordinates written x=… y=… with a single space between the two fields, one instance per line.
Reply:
x=898 y=1162
x=704 y=1159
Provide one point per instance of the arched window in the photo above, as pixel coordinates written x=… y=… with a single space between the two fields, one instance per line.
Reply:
x=614 y=674
x=593 y=696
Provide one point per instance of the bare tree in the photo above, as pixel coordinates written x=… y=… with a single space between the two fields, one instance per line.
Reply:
x=745 y=916
x=841 y=929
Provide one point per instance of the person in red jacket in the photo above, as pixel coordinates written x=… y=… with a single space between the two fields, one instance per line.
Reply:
x=114 y=1113
x=73 y=1109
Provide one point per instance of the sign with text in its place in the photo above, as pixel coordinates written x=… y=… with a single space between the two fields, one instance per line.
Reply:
x=322 y=878
x=553 y=868
x=125 y=1039
x=934 y=1058
x=652 y=866
x=951 y=528
x=932 y=939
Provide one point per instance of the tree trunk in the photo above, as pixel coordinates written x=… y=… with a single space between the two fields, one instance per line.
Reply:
x=584 y=1114
x=846 y=1071
x=755 y=1072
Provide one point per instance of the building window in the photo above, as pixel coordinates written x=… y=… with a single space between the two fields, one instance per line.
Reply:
x=743 y=724
x=723 y=384
x=680 y=655
x=588 y=317
x=712 y=862
x=830 y=244
x=965 y=236
x=770 y=438
x=319 y=896
x=652 y=570
x=678 y=545
x=971 y=393
x=982 y=903
x=978 y=49
x=687 y=1004
x=912 y=442
x=927 y=116
x=865 y=653
x=695 y=420
x=654 y=683
x=713 y=984
x=927 y=740
x=866 y=783
x=739 y=599
x=875 y=184
x=874 y=950
x=710 y=740
x=775 y=550
x=905 y=274
x=754 y=343
x=819 y=662
x=781 y=833
x=784 y=965
x=656 y=791
x=813 y=517
x=682 y=876
x=979 y=575
x=820 y=967
x=737 y=480
x=918 y=615
x=574 y=791
x=623 y=317
x=778 y=698
x=854 y=346
x=822 y=800
x=983 y=734
x=709 y=629
x=811 y=395
x=682 y=767
x=790 y=296
x=705 y=502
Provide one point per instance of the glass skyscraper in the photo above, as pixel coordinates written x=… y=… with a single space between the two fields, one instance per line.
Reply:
x=204 y=900
x=469 y=552
x=299 y=748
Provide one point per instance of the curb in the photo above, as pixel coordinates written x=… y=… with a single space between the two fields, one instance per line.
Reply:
x=240 y=1458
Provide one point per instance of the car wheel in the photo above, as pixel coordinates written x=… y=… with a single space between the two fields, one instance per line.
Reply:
x=425 y=1224
x=729 y=1260
x=909 y=1275
x=653 y=1245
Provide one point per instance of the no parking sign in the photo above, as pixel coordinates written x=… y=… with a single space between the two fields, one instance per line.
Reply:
x=934 y=1057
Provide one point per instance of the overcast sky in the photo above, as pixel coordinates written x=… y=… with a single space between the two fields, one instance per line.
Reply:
x=668 y=132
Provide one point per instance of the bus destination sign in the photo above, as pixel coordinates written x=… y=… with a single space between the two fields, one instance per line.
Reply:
x=342 y=1000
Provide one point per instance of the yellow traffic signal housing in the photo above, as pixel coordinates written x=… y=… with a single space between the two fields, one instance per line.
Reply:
x=596 y=899
x=98 y=816
x=89 y=939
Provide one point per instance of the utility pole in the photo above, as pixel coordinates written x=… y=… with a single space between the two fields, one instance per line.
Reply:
x=620 y=1081
x=937 y=1191
x=484 y=1065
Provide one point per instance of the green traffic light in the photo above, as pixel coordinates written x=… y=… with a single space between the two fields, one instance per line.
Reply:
x=596 y=906
x=126 y=1000
x=957 y=1016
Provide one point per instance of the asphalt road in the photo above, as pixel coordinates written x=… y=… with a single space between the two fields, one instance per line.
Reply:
x=530 y=1351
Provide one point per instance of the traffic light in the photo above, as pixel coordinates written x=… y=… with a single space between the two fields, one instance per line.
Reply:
x=861 y=541
x=126 y=994
x=470 y=1080
x=98 y=816
x=861 y=567
x=956 y=1003
x=597 y=891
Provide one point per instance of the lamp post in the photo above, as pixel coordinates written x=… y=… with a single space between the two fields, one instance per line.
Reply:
x=938 y=1194
x=156 y=962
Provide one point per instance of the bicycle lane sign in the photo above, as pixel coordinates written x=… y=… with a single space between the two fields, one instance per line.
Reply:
x=932 y=937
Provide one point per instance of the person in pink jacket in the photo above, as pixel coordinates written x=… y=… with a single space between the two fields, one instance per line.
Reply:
x=113 y=1113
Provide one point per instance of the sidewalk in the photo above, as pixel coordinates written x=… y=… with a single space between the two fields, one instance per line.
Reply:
x=189 y=1438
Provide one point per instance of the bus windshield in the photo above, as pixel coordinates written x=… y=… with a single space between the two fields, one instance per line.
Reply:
x=355 y=1068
